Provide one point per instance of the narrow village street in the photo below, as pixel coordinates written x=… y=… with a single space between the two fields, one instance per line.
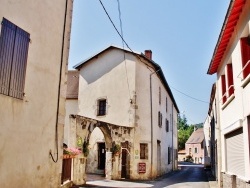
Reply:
x=189 y=175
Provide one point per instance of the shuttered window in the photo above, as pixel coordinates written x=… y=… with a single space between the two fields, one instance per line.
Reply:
x=169 y=155
x=245 y=55
x=159 y=119
x=230 y=80
x=167 y=125
x=235 y=152
x=223 y=88
x=14 y=43
x=143 y=151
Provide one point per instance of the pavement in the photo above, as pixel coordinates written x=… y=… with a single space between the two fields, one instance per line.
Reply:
x=211 y=179
x=94 y=180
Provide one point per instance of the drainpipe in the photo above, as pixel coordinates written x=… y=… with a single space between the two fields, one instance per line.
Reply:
x=151 y=116
x=59 y=86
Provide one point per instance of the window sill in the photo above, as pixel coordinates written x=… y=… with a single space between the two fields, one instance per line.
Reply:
x=245 y=81
x=229 y=99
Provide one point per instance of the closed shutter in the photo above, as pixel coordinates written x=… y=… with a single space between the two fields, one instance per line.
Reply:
x=7 y=41
x=235 y=152
x=19 y=63
x=14 y=43
x=230 y=80
x=245 y=54
x=223 y=88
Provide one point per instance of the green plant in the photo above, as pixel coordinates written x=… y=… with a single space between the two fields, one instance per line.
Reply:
x=116 y=148
x=71 y=151
x=85 y=148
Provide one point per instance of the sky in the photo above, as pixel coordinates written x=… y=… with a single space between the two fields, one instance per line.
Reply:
x=182 y=35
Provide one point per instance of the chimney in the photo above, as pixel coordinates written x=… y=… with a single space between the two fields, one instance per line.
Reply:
x=148 y=54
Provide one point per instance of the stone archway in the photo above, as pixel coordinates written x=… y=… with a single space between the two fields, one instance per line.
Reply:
x=80 y=131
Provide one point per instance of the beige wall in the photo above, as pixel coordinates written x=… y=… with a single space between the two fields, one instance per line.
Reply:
x=105 y=77
x=28 y=126
x=144 y=119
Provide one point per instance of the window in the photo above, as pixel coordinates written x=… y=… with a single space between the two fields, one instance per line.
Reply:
x=195 y=150
x=14 y=43
x=143 y=151
x=101 y=107
x=223 y=88
x=230 y=80
x=190 y=149
x=166 y=104
x=169 y=155
x=167 y=125
x=159 y=119
x=245 y=55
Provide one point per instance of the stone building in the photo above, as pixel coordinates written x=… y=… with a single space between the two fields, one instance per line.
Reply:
x=124 y=100
x=34 y=48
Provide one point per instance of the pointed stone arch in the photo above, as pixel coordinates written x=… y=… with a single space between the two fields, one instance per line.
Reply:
x=81 y=128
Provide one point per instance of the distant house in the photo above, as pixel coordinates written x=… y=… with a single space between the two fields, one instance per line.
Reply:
x=195 y=146
x=34 y=49
x=123 y=96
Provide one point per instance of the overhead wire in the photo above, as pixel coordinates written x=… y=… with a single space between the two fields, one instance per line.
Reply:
x=122 y=36
x=124 y=56
x=124 y=42
x=189 y=95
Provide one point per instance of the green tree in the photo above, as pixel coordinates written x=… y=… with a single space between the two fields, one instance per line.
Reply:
x=185 y=131
x=182 y=122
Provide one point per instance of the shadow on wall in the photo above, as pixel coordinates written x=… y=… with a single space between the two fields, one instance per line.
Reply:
x=103 y=63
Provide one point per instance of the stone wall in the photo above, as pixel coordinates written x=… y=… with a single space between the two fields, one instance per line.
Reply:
x=231 y=181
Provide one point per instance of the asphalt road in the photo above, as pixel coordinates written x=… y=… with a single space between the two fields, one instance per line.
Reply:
x=188 y=176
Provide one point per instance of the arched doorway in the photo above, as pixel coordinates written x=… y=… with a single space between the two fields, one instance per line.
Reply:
x=97 y=153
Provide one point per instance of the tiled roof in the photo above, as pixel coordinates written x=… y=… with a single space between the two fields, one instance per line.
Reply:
x=182 y=151
x=72 y=84
x=196 y=137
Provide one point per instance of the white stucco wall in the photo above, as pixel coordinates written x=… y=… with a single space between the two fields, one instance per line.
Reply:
x=107 y=78
x=27 y=131
x=234 y=115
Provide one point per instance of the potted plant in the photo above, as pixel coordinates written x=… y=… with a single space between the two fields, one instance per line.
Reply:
x=70 y=152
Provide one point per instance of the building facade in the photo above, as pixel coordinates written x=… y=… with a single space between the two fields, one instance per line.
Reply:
x=34 y=48
x=231 y=112
x=125 y=96
x=194 y=146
